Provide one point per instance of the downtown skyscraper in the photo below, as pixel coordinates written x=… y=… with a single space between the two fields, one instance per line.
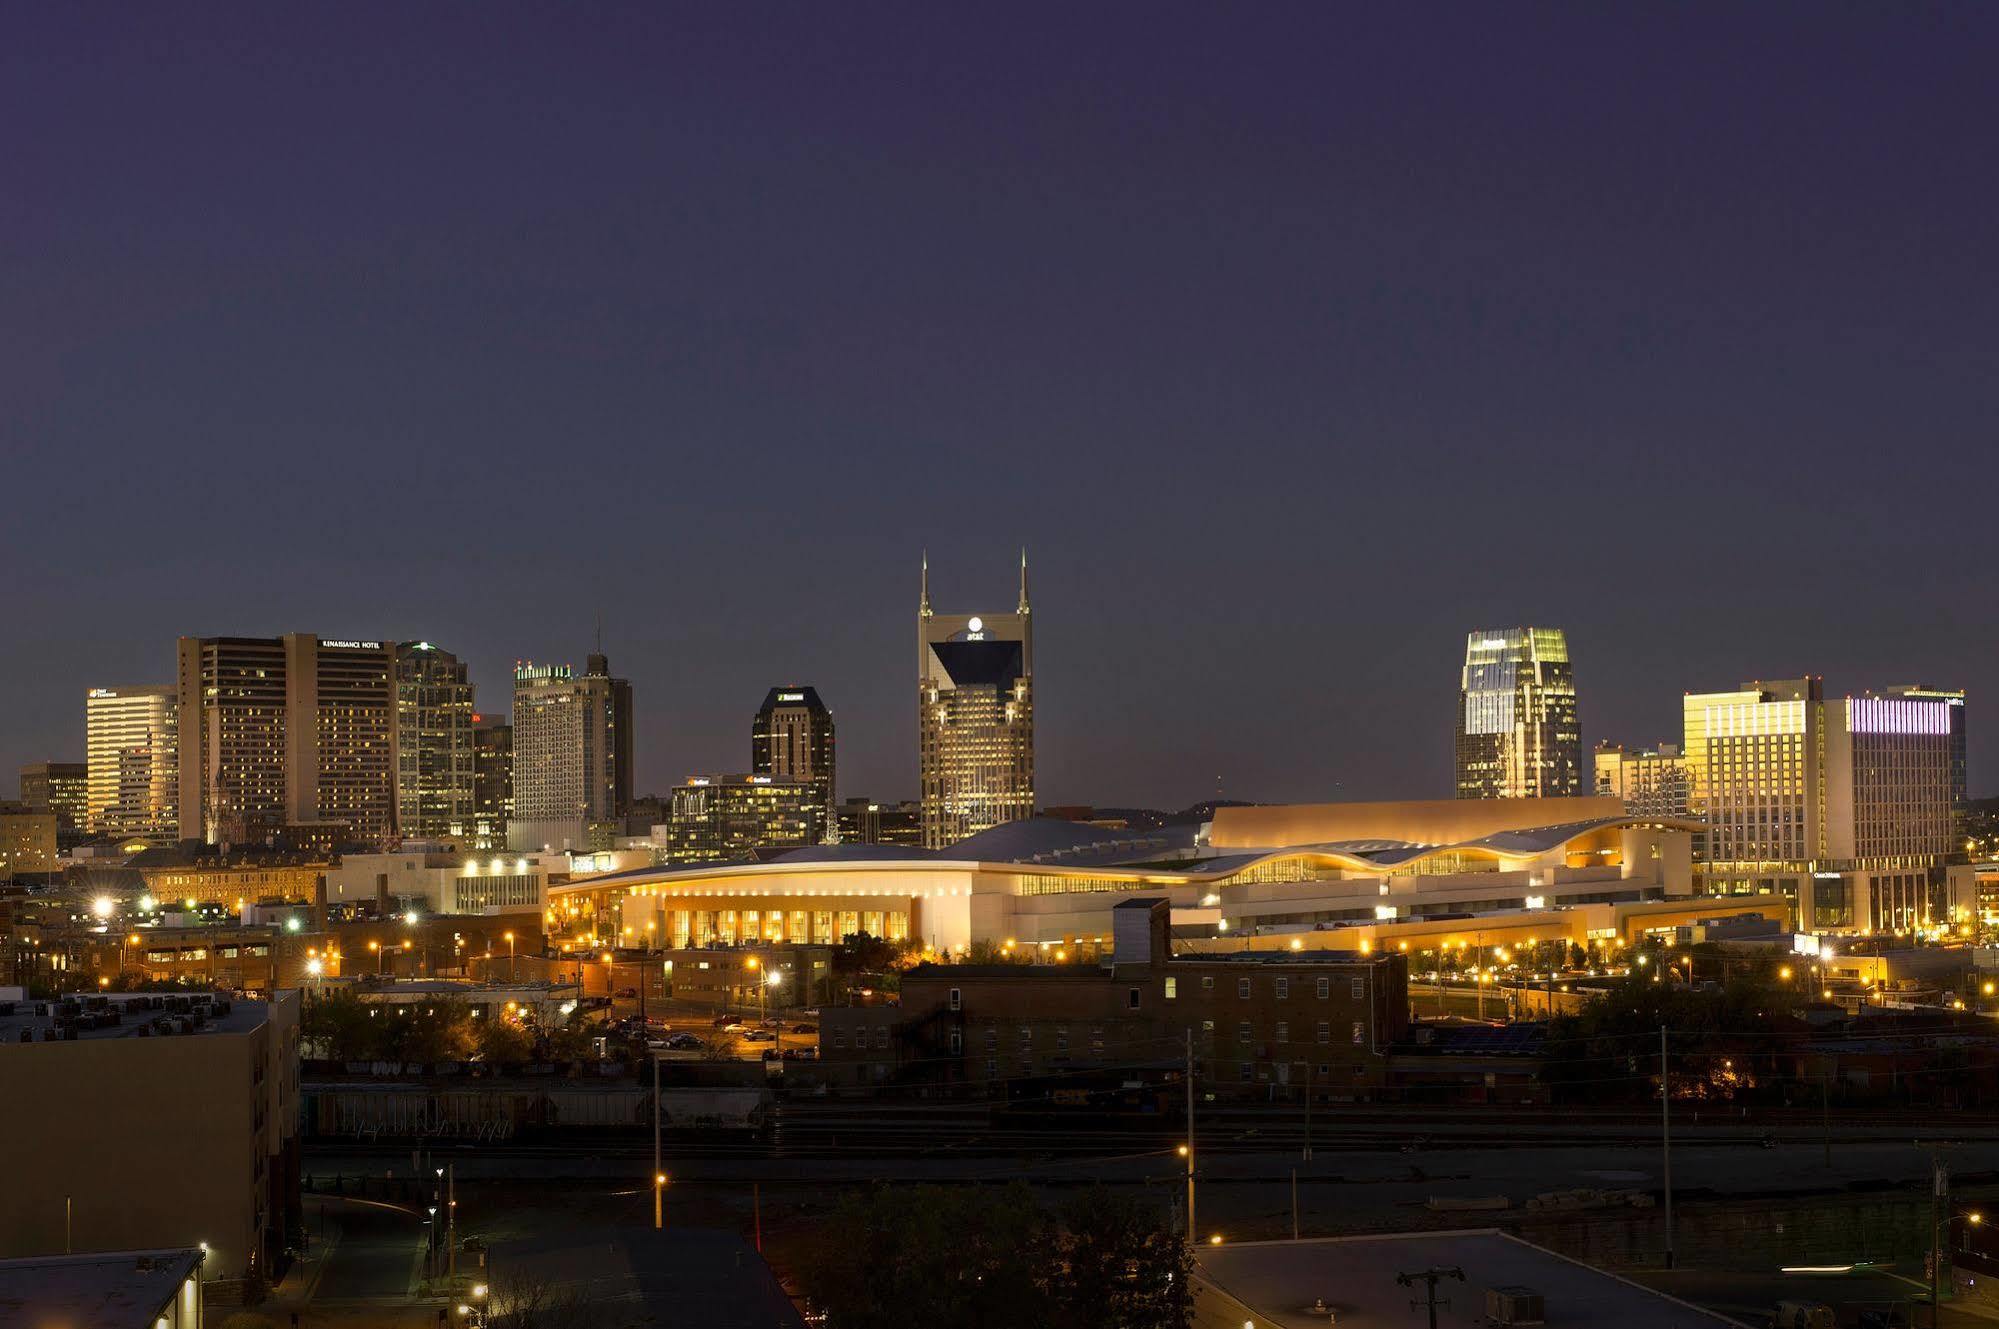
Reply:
x=131 y=745
x=792 y=739
x=975 y=717
x=572 y=756
x=1518 y=734
x=434 y=749
x=289 y=736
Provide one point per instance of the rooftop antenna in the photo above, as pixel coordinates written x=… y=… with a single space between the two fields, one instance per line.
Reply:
x=1023 y=579
x=923 y=602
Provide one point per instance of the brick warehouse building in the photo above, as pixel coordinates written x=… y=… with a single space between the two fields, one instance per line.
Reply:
x=1264 y=1023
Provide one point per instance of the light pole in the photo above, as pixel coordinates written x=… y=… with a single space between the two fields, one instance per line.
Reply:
x=376 y=947
x=658 y=1176
x=772 y=978
x=1937 y=1232
x=1187 y=1149
x=510 y=957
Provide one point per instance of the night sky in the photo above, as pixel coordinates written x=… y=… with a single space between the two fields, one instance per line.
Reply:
x=1293 y=342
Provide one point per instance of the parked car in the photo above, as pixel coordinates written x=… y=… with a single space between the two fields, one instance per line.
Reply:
x=805 y=1029
x=733 y=1027
x=723 y=1021
x=760 y=1036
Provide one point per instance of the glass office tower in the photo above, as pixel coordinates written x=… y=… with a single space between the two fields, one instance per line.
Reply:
x=1518 y=736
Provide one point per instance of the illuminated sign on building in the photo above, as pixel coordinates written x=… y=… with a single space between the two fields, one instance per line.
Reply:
x=352 y=645
x=791 y=696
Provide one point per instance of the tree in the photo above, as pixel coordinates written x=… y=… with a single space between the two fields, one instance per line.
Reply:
x=571 y=1040
x=986 y=951
x=996 y=1259
x=504 y=1041
x=933 y=1255
x=1126 y=1268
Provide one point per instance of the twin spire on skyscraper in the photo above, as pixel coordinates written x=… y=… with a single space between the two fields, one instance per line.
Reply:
x=923 y=597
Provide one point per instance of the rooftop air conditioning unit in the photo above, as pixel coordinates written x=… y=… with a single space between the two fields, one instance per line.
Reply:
x=1515 y=1305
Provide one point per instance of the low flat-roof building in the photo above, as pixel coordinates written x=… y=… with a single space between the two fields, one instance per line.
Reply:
x=1262 y=1024
x=1353 y=1281
x=446 y=882
x=103 y=1290
x=150 y=1121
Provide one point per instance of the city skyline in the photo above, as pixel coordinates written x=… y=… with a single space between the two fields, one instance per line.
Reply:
x=1100 y=296
x=657 y=776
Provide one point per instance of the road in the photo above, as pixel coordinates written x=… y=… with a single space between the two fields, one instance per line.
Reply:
x=375 y=1255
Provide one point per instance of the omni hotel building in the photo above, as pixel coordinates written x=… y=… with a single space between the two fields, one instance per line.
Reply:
x=1345 y=876
x=1845 y=806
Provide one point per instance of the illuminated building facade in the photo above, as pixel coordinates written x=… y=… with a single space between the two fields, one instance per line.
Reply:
x=1649 y=781
x=1430 y=876
x=714 y=819
x=1518 y=734
x=572 y=754
x=975 y=717
x=434 y=750
x=131 y=763
x=1960 y=793
x=1845 y=805
x=286 y=732
x=492 y=780
x=792 y=739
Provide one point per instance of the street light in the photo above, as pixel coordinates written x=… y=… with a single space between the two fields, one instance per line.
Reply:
x=510 y=957
x=376 y=947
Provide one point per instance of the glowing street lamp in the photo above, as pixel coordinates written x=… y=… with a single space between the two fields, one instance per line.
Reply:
x=510 y=957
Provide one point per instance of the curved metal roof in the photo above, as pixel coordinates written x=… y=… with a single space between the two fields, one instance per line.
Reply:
x=1050 y=845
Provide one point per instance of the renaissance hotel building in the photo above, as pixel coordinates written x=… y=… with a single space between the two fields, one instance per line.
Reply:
x=1415 y=876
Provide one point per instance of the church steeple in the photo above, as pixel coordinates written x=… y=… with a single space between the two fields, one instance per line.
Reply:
x=1023 y=579
x=923 y=601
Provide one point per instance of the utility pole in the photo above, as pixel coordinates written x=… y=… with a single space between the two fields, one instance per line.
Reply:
x=1939 y=1190
x=1193 y=1241
x=1666 y=1137
x=1825 y=1106
x=1429 y=1277
x=451 y=1214
x=1308 y=1110
x=1294 y=1204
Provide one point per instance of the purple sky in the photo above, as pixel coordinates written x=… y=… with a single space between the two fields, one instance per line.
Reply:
x=1294 y=343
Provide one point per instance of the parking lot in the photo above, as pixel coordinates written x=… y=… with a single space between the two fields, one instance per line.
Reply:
x=747 y=1037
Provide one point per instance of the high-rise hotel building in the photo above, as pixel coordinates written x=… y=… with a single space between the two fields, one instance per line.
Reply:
x=1518 y=735
x=131 y=746
x=791 y=739
x=1845 y=805
x=572 y=755
x=434 y=749
x=286 y=733
x=975 y=717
